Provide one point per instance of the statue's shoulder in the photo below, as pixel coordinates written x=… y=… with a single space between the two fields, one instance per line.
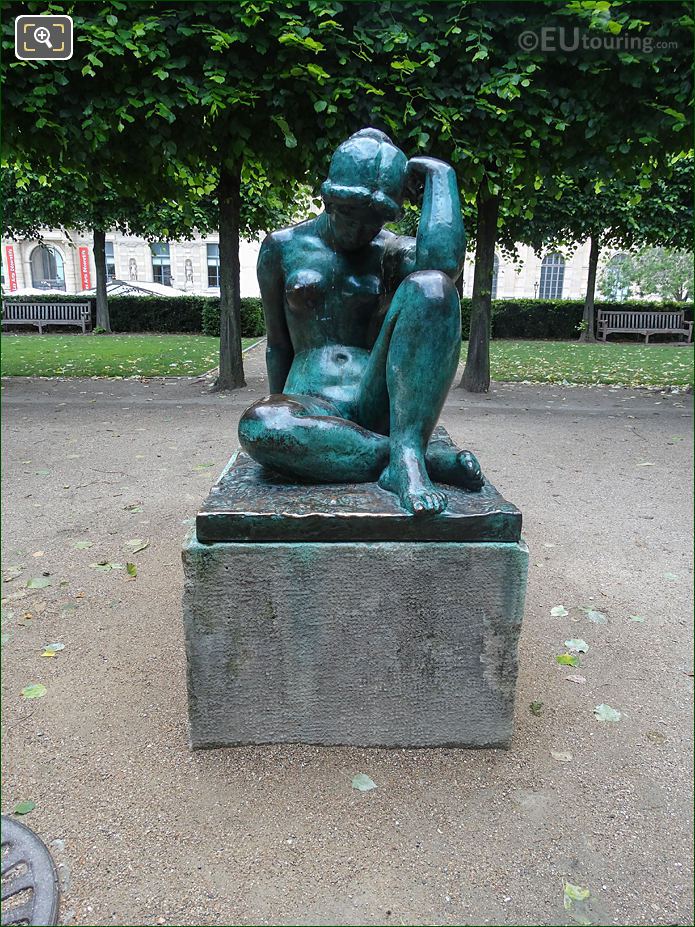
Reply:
x=279 y=240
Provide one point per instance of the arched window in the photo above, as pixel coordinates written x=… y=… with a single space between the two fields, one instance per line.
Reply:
x=552 y=276
x=47 y=272
x=495 y=275
x=615 y=283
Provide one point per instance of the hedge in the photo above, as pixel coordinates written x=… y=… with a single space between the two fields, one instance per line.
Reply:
x=551 y=319
x=252 y=320
x=511 y=318
x=165 y=314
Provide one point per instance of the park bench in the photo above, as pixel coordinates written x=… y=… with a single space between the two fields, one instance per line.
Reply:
x=612 y=321
x=41 y=314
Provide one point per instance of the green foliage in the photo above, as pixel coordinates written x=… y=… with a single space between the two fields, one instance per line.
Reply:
x=252 y=319
x=547 y=318
x=653 y=271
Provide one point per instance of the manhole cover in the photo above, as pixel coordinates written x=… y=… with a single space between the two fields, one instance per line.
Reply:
x=29 y=880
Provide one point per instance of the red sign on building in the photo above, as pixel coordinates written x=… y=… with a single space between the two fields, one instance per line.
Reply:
x=84 y=269
x=11 y=269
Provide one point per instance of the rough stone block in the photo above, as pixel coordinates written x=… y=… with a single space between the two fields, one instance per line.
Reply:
x=376 y=643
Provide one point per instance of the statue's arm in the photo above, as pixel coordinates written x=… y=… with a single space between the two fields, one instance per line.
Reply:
x=279 y=352
x=441 y=239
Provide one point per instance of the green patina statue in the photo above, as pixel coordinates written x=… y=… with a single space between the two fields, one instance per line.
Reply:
x=364 y=332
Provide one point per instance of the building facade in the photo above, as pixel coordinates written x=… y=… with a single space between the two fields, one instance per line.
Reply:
x=65 y=262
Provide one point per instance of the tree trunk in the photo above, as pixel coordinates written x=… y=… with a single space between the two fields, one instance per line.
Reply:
x=588 y=332
x=476 y=374
x=231 y=373
x=99 y=249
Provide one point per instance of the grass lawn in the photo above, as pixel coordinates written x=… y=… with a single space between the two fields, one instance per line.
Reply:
x=109 y=355
x=188 y=355
x=571 y=362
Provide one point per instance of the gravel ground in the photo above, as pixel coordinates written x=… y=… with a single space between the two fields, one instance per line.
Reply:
x=147 y=833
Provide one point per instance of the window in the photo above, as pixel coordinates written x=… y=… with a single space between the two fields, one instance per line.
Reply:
x=495 y=275
x=161 y=264
x=552 y=276
x=47 y=271
x=615 y=282
x=110 y=262
x=214 y=265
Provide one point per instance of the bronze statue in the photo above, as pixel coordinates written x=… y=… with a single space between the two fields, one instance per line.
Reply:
x=364 y=332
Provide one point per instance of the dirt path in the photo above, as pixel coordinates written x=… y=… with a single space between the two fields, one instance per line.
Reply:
x=148 y=833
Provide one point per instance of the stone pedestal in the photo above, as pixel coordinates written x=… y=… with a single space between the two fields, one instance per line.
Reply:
x=308 y=620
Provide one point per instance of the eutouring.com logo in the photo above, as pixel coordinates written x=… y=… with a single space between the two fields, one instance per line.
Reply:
x=562 y=40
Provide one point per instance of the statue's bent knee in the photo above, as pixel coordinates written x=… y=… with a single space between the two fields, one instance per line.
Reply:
x=258 y=423
x=433 y=285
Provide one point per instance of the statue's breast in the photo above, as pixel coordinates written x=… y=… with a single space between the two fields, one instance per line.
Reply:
x=306 y=290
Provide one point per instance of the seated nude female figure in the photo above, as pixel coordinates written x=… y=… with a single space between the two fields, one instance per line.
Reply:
x=364 y=332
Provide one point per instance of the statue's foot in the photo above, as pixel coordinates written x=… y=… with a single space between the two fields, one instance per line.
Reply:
x=406 y=476
x=458 y=468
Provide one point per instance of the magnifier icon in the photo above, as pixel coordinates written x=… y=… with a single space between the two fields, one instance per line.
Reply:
x=43 y=35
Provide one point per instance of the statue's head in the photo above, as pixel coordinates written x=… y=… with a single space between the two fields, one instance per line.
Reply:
x=365 y=187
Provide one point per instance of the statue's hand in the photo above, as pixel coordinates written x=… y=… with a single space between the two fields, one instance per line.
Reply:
x=416 y=172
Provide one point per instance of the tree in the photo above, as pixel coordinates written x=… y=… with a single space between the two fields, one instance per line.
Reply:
x=453 y=80
x=71 y=199
x=654 y=209
x=660 y=271
x=198 y=92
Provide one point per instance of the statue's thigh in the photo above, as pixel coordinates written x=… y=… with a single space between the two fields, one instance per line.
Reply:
x=372 y=395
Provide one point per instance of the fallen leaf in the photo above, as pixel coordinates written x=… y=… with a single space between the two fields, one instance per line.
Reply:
x=24 y=807
x=204 y=466
x=52 y=649
x=68 y=610
x=574 y=893
x=671 y=576
x=559 y=611
x=606 y=713
x=133 y=507
x=567 y=659
x=646 y=463
x=39 y=553
x=561 y=757
x=656 y=737
x=131 y=569
x=136 y=545
x=82 y=545
x=11 y=572
x=38 y=582
x=596 y=617
x=635 y=618
x=577 y=644
x=35 y=690
x=362 y=782
x=580 y=680
x=536 y=708
x=105 y=566
x=42 y=472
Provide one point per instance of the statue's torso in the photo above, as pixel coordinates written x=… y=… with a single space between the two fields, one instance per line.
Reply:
x=334 y=304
